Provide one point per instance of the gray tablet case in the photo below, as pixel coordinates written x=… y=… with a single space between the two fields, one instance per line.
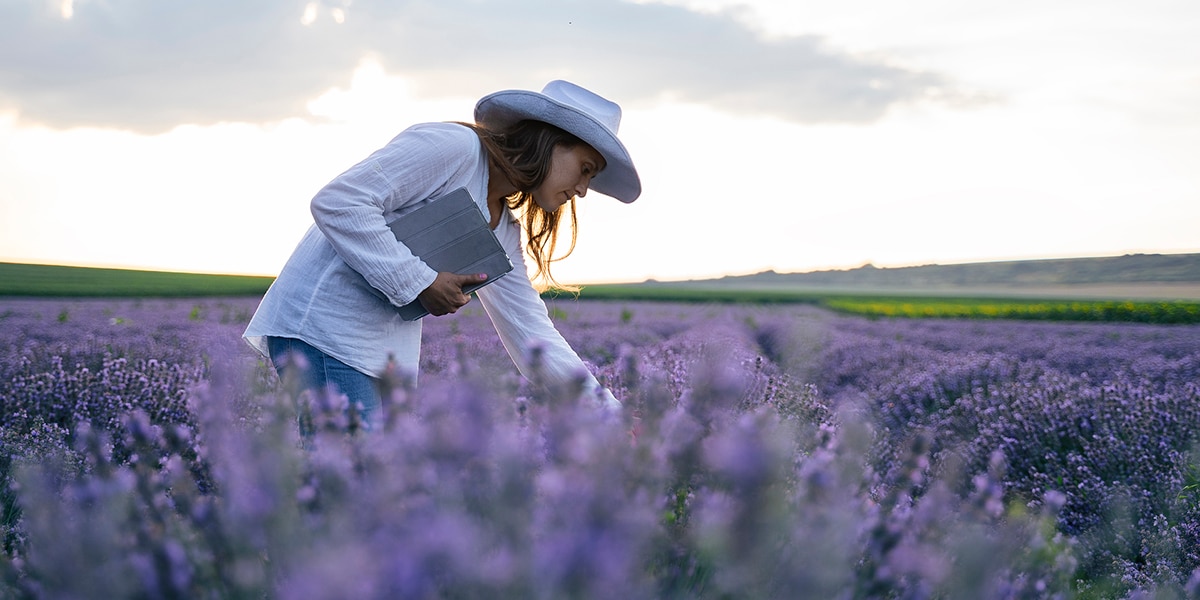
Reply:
x=450 y=235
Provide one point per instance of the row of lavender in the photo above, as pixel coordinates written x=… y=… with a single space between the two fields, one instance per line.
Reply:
x=763 y=452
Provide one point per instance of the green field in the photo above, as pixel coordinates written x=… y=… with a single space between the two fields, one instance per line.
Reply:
x=59 y=281
x=1034 y=309
x=52 y=280
x=918 y=306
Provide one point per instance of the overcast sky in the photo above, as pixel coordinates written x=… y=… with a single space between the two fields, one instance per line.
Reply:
x=770 y=134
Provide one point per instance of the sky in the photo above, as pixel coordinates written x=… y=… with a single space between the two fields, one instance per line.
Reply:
x=784 y=135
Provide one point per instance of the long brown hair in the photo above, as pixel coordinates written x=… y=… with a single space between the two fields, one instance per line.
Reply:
x=522 y=154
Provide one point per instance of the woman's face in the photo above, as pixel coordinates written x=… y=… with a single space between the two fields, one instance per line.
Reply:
x=571 y=172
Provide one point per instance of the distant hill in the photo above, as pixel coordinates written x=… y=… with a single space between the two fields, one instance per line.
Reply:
x=1163 y=276
x=1130 y=268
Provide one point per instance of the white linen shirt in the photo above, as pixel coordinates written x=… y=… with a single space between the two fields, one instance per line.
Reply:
x=340 y=289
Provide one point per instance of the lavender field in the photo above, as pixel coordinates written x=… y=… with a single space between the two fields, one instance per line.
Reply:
x=762 y=452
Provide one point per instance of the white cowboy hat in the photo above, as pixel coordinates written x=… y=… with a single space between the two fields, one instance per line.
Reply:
x=581 y=113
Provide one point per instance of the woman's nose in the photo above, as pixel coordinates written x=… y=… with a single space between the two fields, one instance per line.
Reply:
x=581 y=188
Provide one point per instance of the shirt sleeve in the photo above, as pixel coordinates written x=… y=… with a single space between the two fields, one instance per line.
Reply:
x=523 y=324
x=353 y=210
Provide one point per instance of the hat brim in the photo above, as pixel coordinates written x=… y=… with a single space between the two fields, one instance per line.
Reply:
x=619 y=179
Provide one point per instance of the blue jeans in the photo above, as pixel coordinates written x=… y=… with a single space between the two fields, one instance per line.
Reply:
x=324 y=371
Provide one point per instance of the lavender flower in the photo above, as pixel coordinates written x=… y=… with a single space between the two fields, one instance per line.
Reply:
x=761 y=452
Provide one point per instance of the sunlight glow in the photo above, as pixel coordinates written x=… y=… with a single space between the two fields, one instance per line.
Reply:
x=67 y=9
x=310 y=14
x=314 y=10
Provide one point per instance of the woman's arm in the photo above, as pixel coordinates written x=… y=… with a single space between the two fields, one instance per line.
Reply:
x=523 y=324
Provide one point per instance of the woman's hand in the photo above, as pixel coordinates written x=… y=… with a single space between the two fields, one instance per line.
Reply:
x=445 y=295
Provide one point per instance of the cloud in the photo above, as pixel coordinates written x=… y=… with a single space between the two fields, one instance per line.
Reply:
x=149 y=66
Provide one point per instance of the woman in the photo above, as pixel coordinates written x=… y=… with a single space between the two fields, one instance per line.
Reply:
x=334 y=303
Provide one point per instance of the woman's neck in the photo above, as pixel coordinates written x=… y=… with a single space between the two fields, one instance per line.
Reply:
x=499 y=188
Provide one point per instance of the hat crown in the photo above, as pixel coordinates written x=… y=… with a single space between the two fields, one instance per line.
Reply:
x=606 y=112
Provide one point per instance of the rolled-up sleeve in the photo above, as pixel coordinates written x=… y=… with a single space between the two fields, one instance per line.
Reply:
x=354 y=209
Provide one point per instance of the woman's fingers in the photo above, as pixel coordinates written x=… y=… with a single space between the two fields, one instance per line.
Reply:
x=445 y=296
